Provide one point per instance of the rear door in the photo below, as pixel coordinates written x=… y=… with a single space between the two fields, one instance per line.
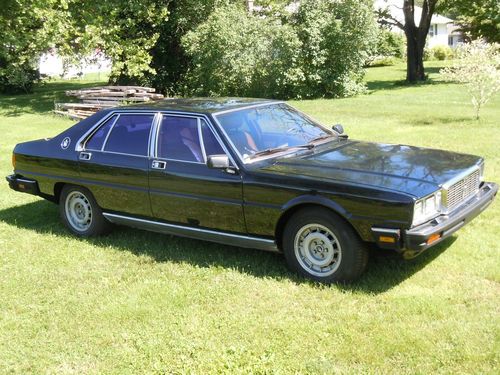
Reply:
x=114 y=163
x=182 y=188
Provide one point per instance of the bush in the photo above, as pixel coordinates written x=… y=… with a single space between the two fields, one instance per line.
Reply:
x=478 y=67
x=441 y=52
x=390 y=44
x=318 y=51
x=18 y=79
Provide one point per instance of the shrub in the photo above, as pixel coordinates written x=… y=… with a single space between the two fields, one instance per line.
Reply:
x=441 y=52
x=234 y=53
x=317 y=51
x=390 y=44
x=478 y=67
x=16 y=79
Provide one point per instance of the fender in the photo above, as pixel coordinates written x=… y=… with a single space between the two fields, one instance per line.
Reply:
x=318 y=200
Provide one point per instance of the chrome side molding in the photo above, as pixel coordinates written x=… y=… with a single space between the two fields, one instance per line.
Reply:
x=196 y=233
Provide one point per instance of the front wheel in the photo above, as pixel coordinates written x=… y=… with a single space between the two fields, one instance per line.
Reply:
x=320 y=245
x=80 y=213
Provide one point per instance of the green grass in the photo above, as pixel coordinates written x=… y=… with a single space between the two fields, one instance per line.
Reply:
x=136 y=302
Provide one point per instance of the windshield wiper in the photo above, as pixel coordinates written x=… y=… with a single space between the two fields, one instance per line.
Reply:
x=320 y=138
x=274 y=150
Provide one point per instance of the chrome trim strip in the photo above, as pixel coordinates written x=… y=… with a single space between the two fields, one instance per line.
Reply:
x=223 y=237
x=386 y=230
x=202 y=142
x=247 y=107
x=107 y=135
x=79 y=144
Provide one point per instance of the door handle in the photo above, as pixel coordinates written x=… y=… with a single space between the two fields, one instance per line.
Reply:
x=158 y=164
x=85 y=155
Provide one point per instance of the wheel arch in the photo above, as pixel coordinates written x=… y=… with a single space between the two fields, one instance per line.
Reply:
x=58 y=186
x=303 y=202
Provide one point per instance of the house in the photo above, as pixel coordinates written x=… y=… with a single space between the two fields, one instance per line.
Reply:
x=53 y=65
x=442 y=32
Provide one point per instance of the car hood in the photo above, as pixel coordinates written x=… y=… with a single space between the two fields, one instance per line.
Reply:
x=412 y=170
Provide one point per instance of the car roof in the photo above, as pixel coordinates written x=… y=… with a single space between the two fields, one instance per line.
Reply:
x=199 y=105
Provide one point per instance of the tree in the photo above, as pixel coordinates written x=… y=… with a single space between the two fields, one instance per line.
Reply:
x=476 y=18
x=416 y=35
x=478 y=67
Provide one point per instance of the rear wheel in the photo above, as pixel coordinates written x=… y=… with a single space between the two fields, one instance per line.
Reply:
x=80 y=213
x=320 y=245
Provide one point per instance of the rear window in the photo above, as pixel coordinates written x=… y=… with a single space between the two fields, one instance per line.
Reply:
x=130 y=135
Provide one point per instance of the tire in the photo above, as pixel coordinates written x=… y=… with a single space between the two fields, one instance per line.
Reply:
x=80 y=213
x=321 y=246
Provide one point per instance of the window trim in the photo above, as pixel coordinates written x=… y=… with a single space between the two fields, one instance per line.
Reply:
x=79 y=145
x=199 y=118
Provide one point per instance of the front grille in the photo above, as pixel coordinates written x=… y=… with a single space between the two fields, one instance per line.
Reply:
x=460 y=191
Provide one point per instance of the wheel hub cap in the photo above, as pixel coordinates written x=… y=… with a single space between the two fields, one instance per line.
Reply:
x=317 y=249
x=78 y=211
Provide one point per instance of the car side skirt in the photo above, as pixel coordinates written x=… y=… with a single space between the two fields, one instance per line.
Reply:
x=196 y=233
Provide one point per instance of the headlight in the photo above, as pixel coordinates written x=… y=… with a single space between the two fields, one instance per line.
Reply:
x=427 y=208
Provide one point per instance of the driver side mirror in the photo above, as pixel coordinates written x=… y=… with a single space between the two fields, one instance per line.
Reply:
x=218 y=161
x=338 y=128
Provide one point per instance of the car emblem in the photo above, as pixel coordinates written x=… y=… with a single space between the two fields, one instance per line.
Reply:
x=65 y=143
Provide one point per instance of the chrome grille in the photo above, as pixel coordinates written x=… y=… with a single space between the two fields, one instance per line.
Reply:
x=461 y=190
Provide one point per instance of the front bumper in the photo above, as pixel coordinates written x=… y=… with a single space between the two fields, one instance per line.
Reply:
x=23 y=184
x=411 y=242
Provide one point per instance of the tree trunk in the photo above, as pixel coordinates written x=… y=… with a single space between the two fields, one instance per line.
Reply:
x=415 y=37
x=415 y=45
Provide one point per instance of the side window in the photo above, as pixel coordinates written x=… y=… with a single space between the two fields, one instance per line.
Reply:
x=130 y=134
x=179 y=139
x=97 y=139
x=210 y=143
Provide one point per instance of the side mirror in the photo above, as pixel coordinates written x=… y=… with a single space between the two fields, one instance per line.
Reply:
x=218 y=161
x=338 y=128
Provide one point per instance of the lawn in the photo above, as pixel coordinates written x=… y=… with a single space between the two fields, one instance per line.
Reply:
x=135 y=302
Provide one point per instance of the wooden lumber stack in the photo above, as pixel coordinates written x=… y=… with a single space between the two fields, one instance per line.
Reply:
x=96 y=98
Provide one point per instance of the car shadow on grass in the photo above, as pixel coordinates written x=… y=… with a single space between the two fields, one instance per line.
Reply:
x=385 y=269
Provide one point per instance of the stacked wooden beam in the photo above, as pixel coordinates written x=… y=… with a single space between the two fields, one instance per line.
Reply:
x=97 y=98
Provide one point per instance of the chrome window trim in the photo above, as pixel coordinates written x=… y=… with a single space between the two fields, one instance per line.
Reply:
x=202 y=141
x=198 y=116
x=107 y=135
x=247 y=107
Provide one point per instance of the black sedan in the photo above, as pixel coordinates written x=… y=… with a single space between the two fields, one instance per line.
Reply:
x=253 y=173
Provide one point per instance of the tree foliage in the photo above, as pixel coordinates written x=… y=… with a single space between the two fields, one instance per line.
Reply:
x=319 y=50
x=476 y=18
x=478 y=67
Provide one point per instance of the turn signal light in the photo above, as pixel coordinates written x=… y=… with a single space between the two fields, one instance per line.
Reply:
x=14 y=161
x=433 y=238
x=387 y=239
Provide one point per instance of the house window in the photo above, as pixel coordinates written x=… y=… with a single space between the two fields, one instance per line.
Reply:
x=433 y=30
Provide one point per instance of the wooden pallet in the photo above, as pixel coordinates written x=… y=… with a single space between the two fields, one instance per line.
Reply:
x=96 y=98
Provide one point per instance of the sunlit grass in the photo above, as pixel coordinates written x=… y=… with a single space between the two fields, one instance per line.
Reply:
x=136 y=302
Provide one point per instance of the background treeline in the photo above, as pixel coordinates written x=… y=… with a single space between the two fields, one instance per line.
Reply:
x=311 y=48
x=197 y=47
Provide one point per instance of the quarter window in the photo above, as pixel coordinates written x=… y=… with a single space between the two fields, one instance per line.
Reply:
x=130 y=134
x=97 y=139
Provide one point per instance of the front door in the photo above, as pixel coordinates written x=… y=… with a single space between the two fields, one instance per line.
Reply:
x=114 y=163
x=182 y=188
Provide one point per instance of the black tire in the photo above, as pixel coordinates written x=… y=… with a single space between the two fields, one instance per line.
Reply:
x=328 y=249
x=80 y=212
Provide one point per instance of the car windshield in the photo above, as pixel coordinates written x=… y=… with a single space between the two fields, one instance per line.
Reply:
x=269 y=129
